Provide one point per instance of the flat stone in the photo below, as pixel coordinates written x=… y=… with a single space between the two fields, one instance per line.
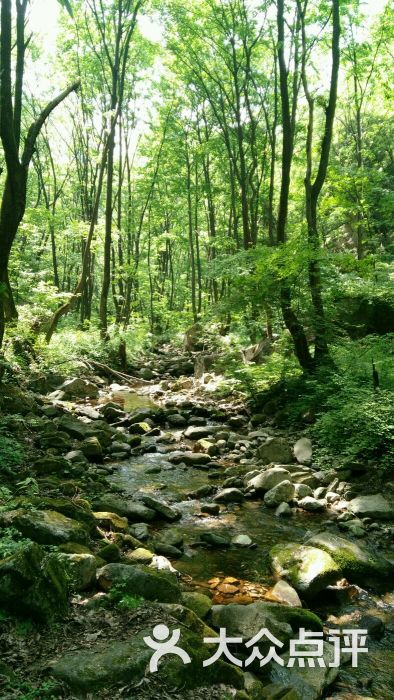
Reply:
x=141 y=581
x=375 y=506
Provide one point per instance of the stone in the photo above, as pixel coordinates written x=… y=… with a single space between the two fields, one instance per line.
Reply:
x=231 y=495
x=283 y=492
x=76 y=457
x=167 y=550
x=134 y=511
x=210 y=508
x=33 y=583
x=172 y=537
x=214 y=540
x=81 y=569
x=140 y=428
x=307 y=568
x=241 y=541
x=284 y=593
x=111 y=521
x=199 y=603
x=140 y=581
x=275 y=449
x=177 y=420
x=51 y=465
x=92 y=449
x=309 y=683
x=197 y=432
x=267 y=480
x=73 y=426
x=45 y=526
x=283 y=511
x=247 y=620
x=302 y=491
x=140 y=556
x=109 y=552
x=357 y=562
x=375 y=506
x=140 y=531
x=165 y=511
x=192 y=459
x=312 y=505
x=303 y=450
x=79 y=388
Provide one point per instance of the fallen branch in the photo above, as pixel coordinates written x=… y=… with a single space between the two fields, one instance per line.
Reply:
x=93 y=364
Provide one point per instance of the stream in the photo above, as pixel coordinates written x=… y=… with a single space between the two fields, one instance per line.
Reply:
x=153 y=474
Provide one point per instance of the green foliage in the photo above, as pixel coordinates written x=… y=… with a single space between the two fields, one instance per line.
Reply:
x=124 y=600
x=11 y=452
x=11 y=541
x=29 y=486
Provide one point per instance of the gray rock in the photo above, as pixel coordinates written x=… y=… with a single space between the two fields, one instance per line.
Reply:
x=312 y=505
x=247 y=620
x=81 y=569
x=302 y=491
x=197 y=432
x=214 y=540
x=51 y=465
x=45 y=526
x=164 y=510
x=134 y=511
x=241 y=541
x=268 y=479
x=283 y=511
x=78 y=388
x=375 y=506
x=92 y=449
x=303 y=451
x=309 y=683
x=230 y=495
x=140 y=531
x=210 y=508
x=73 y=426
x=276 y=449
x=283 y=492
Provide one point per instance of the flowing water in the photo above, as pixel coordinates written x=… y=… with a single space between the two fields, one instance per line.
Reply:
x=374 y=677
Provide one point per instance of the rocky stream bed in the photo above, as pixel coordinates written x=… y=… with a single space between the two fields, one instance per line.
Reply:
x=206 y=517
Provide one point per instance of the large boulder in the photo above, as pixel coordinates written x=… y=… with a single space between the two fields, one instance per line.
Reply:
x=309 y=683
x=162 y=509
x=73 y=426
x=134 y=511
x=358 y=563
x=140 y=581
x=303 y=450
x=79 y=388
x=51 y=465
x=45 y=526
x=230 y=495
x=81 y=570
x=282 y=493
x=268 y=479
x=277 y=450
x=92 y=449
x=374 y=506
x=33 y=583
x=192 y=459
x=307 y=568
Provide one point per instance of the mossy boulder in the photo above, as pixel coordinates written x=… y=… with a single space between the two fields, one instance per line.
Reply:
x=111 y=521
x=357 y=562
x=45 y=526
x=81 y=569
x=140 y=581
x=307 y=568
x=34 y=583
x=309 y=683
x=199 y=603
x=132 y=510
x=51 y=464
x=76 y=509
x=110 y=553
x=92 y=449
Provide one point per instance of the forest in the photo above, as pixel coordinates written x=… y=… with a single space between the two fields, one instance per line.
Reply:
x=196 y=345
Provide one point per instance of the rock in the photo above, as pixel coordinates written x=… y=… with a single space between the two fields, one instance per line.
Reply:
x=247 y=620
x=45 y=526
x=197 y=433
x=278 y=691
x=140 y=581
x=283 y=492
x=253 y=687
x=210 y=508
x=241 y=541
x=307 y=568
x=71 y=425
x=76 y=457
x=312 y=505
x=167 y=550
x=302 y=491
x=120 y=448
x=164 y=510
x=81 y=569
x=199 y=603
x=140 y=556
x=33 y=583
x=78 y=388
x=134 y=511
x=172 y=537
x=177 y=420
x=110 y=553
x=308 y=682
x=374 y=506
x=140 y=428
x=374 y=625
x=275 y=449
x=192 y=459
x=357 y=563
x=303 y=451
x=51 y=465
x=283 y=511
x=92 y=449
x=214 y=540
x=229 y=496
x=268 y=479
x=111 y=521
x=140 y=531
x=284 y=593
